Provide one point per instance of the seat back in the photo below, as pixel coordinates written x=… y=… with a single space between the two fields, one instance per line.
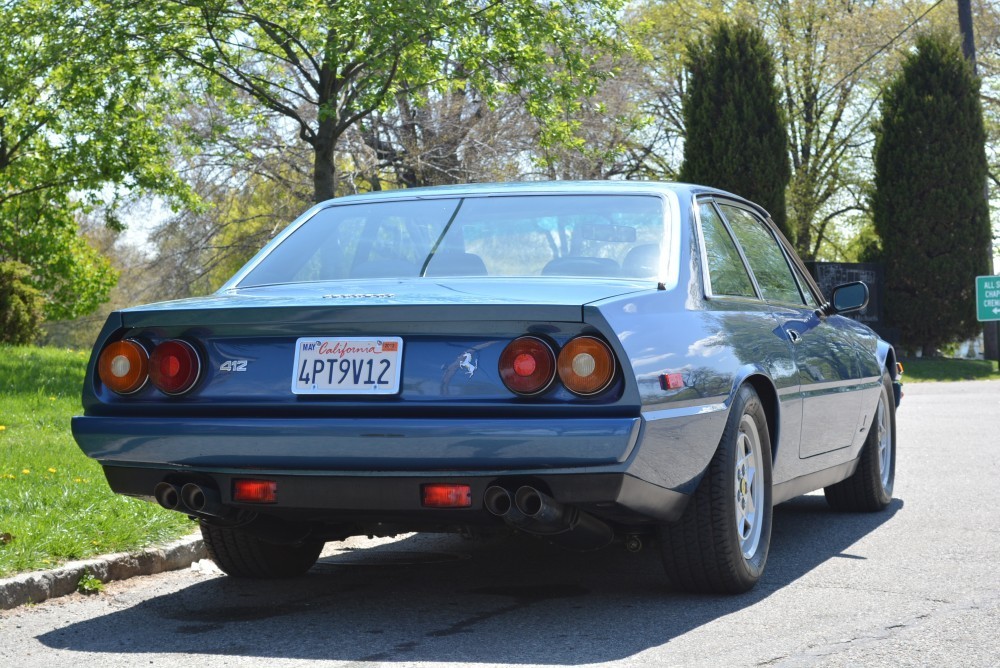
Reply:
x=581 y=266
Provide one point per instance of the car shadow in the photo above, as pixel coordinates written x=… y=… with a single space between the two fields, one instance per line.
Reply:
x=433 y=598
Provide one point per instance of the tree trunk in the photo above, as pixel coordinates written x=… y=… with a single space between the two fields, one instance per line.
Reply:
x=324 y=145
x=324 y=172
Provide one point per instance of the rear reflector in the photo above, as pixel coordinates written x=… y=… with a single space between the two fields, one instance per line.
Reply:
x=440 y=495
x=671 y=381
x=255 y=491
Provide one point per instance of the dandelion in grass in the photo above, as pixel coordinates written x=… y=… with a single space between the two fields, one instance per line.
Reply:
x=2 y=427
x=26 y=471
x=51 y=470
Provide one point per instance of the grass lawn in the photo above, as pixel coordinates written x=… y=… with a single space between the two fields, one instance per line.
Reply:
x=943 y=369
x=55 y=504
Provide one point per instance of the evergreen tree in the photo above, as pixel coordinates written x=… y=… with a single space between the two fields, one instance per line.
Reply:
x=735 y=133
x=928 y=205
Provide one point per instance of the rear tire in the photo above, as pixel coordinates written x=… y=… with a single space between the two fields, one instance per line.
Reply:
x=869 y=489
x=721 y=543
x=244 y=555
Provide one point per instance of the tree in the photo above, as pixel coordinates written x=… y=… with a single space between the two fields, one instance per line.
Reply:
x=928 y=203
x=327 y=66
x=831 y=57
x=439 y=138
x=736 y=137
x=78 y=126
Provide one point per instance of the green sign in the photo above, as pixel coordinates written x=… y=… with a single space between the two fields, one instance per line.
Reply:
x=988 y=297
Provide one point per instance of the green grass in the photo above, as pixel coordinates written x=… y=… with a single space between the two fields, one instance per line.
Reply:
x=943 y=369
x=55 y=504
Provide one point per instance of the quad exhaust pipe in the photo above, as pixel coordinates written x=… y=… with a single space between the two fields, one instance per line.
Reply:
x=191 y=498
x=167 y=495
x=535 y=512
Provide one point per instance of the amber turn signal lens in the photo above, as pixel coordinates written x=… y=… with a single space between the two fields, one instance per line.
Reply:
x=586 y=365
x=123 y=366
x=527 y=365
x=174 y=366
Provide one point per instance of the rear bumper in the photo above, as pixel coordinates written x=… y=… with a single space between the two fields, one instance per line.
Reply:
x=368 y=470
x=363 y=444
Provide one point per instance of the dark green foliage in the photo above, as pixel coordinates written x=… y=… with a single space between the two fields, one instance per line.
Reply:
x=20 y=305
x=929 y=204
x=735 y=134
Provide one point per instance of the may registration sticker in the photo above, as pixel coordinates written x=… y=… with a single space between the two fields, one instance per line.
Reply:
x=347 y=365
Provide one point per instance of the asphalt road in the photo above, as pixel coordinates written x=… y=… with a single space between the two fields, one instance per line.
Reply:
x=916 y=585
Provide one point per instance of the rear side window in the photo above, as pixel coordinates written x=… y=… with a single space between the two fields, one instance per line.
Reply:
x=726 y=272
x=767 y=261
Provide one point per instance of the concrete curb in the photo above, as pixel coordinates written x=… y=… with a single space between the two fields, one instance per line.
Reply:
x=38 y=586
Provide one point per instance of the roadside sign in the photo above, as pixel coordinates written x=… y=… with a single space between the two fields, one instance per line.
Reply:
x=988 y=298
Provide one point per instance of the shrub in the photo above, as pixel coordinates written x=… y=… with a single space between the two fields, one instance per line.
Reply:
x=21 y=305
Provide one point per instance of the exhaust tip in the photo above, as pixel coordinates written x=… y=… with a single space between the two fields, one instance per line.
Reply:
x=528 y=500
x=497 y=500
x=167 y=495
x=193 y=497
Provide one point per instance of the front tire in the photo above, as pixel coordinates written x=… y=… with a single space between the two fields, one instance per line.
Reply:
x=869 y=489
x=244 y=555
x=721 y=543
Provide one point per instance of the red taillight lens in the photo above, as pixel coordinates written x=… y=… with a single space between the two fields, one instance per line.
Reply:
x=123 y=366
x=255 y=491
x=442 y=495
x=174 y=366
x=527 y=365
x=586 y=365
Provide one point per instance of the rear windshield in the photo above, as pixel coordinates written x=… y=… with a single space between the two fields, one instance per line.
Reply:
x=610 y=236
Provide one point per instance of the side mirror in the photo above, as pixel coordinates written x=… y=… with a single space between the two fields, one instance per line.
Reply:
x=848 y=298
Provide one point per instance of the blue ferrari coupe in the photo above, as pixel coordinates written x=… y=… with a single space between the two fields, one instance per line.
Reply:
x=590 y=363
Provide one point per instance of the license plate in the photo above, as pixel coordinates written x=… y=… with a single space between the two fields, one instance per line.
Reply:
x=347 y=365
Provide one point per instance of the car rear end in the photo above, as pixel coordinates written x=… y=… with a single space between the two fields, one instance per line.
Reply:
x=348 y=414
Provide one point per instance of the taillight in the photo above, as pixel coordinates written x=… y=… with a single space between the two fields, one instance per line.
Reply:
x=527 y=365
x=123 y=366
x=586 y=365
x=174 y=366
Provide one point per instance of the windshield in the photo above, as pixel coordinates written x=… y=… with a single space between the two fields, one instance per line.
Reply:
x=611 y=236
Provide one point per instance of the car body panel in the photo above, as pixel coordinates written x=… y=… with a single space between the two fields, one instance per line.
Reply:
x=337 y=445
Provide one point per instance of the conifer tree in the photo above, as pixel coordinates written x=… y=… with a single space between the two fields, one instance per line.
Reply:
x=928 y=204
x=735 y=136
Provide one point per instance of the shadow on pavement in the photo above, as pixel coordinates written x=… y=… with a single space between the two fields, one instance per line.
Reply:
x=434 y=598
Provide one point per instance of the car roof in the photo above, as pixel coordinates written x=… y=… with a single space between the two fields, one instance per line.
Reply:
x=682 y=190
